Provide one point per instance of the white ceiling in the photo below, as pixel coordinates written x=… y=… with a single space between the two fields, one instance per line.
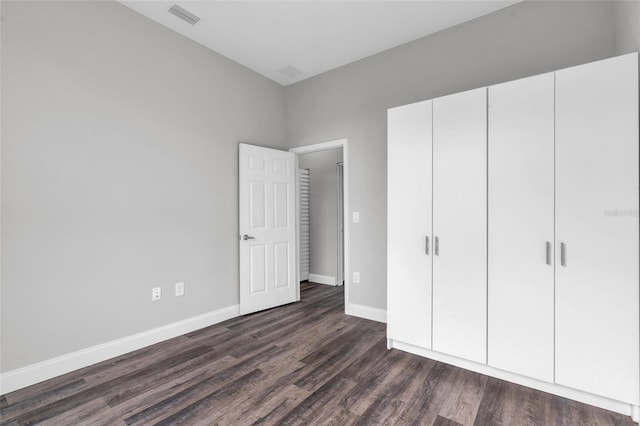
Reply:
x=311 y=36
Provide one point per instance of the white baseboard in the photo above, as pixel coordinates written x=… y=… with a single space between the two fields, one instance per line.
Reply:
x=366 y=312
x=41 y=371
x=565 y=392
x=322 y=279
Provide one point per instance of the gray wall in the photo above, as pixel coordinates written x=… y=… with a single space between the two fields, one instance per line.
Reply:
x=324 y=210
x=119 y=174
x=119 y=153
x=351 y=102
x=627 y=26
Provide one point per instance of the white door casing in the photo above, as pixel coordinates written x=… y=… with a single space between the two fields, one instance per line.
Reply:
x=267 y=219
x=344 y=144
x=597 y=324
x=409 y=237
x=340 y=221
x=521 y=226
x=460 y=225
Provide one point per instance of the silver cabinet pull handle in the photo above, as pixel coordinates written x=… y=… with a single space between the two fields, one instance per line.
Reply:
x=436 y=249
x=426 y=245
x=248 y=237
x=548 y=252
x=563 y=254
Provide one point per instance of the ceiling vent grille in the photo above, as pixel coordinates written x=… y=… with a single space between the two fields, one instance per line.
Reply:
x=183 y=14
x=290 y=71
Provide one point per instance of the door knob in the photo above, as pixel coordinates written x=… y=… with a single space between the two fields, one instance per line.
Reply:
x=248 y=237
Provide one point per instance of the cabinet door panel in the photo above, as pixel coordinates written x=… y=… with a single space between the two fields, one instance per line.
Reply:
x=460 y=224
x=409 y=224
x=597 y=324
x=521 y=185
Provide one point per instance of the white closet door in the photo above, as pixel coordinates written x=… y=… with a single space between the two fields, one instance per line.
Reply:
x=521 y=217
x=597 y=324
x=304 y=212
x=409 y=224
x=460 y=225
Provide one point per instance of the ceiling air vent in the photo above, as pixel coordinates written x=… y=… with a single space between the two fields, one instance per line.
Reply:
x=290 y=71
x=183 y=14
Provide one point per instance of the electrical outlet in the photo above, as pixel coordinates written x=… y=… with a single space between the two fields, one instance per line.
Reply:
x=356 y=217
x=356 y=277
x=179 y=289
x=156 y=293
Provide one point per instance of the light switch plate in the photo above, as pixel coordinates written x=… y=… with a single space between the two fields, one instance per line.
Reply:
x=179 y=289
x=356 y=217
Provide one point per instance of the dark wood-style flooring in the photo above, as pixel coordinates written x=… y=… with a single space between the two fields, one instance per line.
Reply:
x=306 y=363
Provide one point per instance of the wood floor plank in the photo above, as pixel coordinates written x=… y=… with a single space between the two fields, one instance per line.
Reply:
x=66 y=404
x=312 y=406
x=35 y=400
x=155 y=395
x=258 y=392
x=305 y=363
x=120 y=367
x=200 y=388
x=325 y=368
x=493 y=403
x=428 y=392
x=464 y=400
x=146 y=354
x=505 y=402
x=115 y=395
x=197 y=412
x=271 y=410
x=95 y=413
x=387 y=404
x=373 y=385
x=367 y=362
x=279 y=331
x=536 y=407
x=443 y=421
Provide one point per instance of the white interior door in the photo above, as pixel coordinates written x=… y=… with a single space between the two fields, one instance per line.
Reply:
x=267 y=228
x=597 y=324
x=521 y=220
x=460 y=225
x=409 y=224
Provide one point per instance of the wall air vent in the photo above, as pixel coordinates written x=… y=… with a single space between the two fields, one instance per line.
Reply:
x=183 y=14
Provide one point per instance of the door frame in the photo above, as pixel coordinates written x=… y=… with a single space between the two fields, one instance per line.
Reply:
x=340 y=275
x=317 y=147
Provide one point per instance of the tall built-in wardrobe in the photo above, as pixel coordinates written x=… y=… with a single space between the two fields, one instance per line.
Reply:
x=513 y=231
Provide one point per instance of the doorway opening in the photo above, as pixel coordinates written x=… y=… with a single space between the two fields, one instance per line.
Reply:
x=323 y=214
